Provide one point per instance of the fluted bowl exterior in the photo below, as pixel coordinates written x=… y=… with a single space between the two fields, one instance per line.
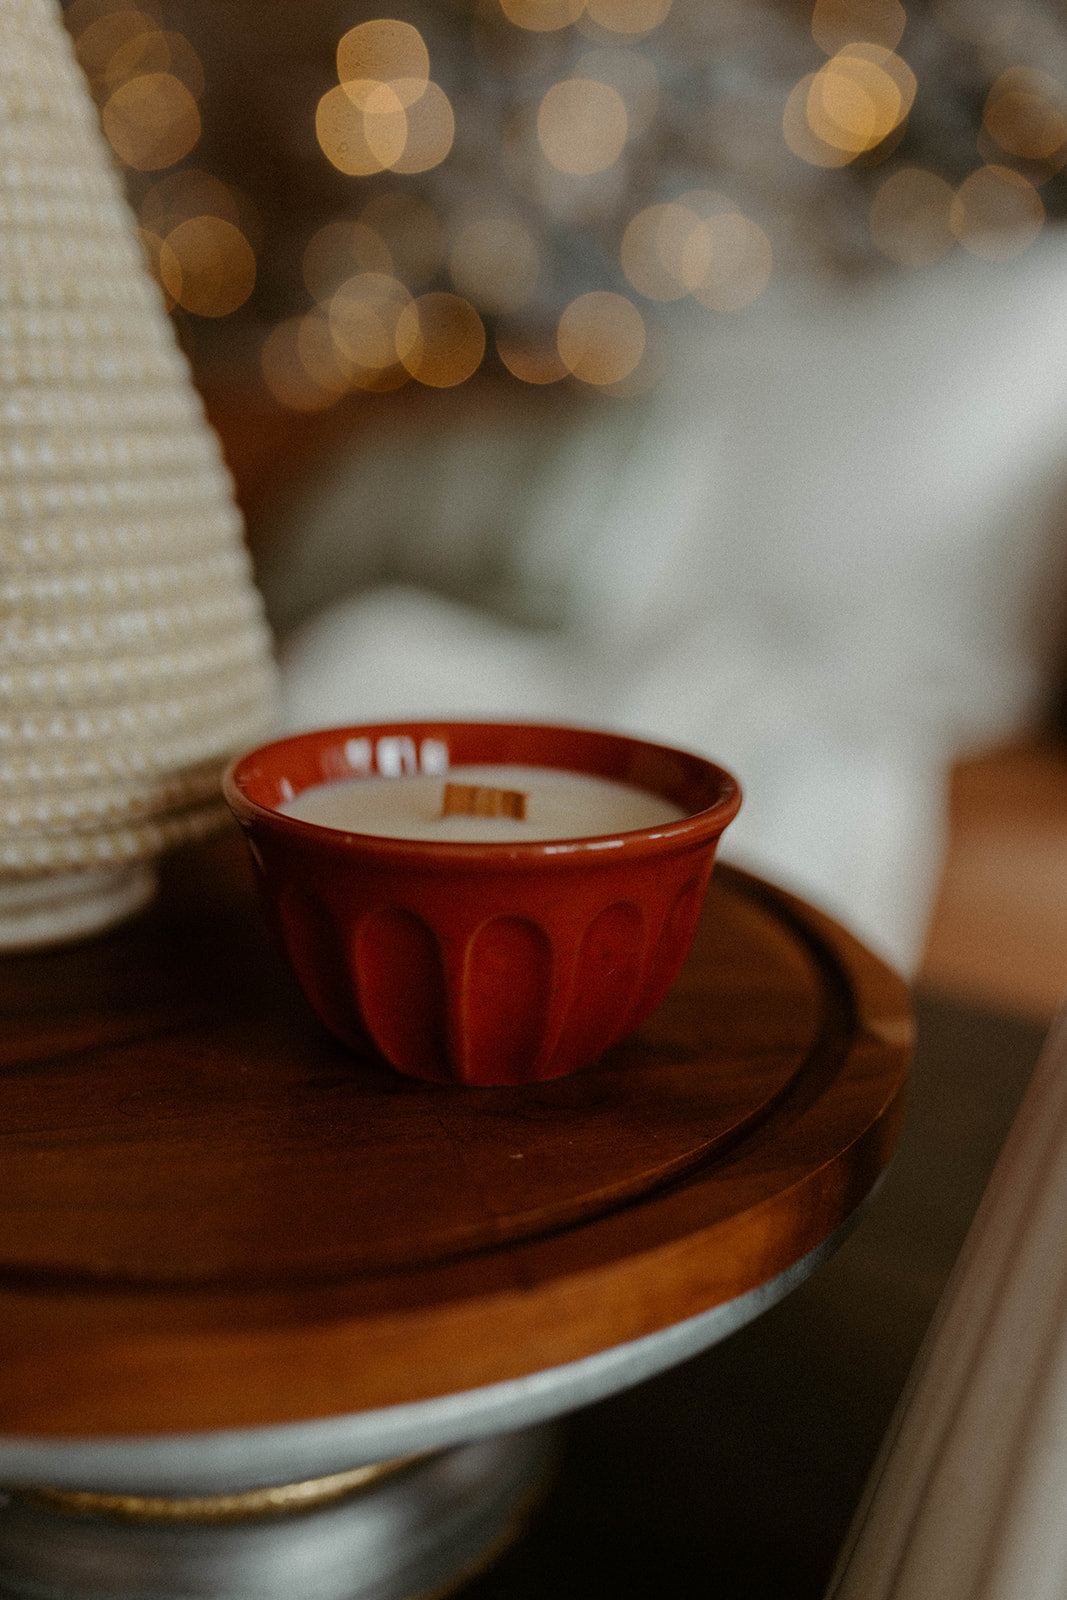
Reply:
x=490 y=963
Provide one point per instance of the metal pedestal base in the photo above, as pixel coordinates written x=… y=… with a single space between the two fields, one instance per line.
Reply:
x=422 y=1529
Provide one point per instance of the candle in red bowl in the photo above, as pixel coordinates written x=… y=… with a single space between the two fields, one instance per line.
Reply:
x=488 y=948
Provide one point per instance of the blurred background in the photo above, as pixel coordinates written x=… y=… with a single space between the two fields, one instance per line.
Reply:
x=697 y=367
x=694 y=368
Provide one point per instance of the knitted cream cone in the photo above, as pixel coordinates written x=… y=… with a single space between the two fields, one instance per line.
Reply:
x=133 y=655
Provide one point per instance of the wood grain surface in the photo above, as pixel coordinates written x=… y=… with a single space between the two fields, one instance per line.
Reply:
x=213 y=1215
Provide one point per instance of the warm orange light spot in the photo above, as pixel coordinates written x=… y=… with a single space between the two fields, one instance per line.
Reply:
x=410 y=231
x=208 y=265
x=628 y=16
x=582 y=125
x=363 y=316
x=144 y=52
x=384 y=50
x=1026 y=125
x=996 y=213
x=634 y=78
x=341 y=129
x=836 y=23
x=654 y=251
x=431 y=127
x=440 y=339
x=527 y=358
x=319 y=355
x=339 y=251
x=601 y=338
x=542 y=16
x=364 y=127
x=1026 y=114
x=151 y=121
x=910 y=217
x=81 y=14
x=157 y=52
x=385 y=122
x=494 y=262
x=285 y=374
x=728 y=262
x=78 y=15
x=798 y=134
x=190 y=192
x=859 y=97
x=97 y=41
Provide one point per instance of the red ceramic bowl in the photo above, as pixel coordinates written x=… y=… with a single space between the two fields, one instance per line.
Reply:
x=481 y=963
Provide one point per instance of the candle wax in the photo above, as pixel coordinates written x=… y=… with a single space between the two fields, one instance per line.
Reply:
x=560 y=805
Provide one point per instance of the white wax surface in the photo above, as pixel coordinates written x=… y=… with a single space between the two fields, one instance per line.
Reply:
x=559 y=805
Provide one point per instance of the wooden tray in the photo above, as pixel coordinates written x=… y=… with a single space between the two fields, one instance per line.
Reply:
x=213 y=1216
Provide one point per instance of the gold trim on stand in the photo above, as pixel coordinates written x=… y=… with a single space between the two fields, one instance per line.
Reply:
x=277 y=1500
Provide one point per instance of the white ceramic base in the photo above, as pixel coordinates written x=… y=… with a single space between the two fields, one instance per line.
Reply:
x=71 y=905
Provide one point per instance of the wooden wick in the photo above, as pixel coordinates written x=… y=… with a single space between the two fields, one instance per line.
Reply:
x=471 y=800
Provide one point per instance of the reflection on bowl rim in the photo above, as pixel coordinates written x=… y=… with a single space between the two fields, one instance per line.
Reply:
x=698 y=825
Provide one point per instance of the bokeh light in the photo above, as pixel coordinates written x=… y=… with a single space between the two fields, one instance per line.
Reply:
x=529 y=358
x=632 y=76
x=440 y=339
x=585 y=133
x=996 y=213
x=341 y=250
x=1026 y=115
x=836 y=23
x=910 y=217
x=208 y=266
x=564 y=199
x=799 y=135
x=364 y=127
x=728 y=261
x=495 y=263
x=654 y=251
x=582 y=126
x=542 y=16
x=631 y=17
x=383 y=51
x=431 y=128
x=190 y=192
x=700 y=246
x=156 y=51
x=98 y=38
x=81 y=14
x=341 y=127
x=284 y=373
x=363 y=317
x=320 y=357
x=601 y=338
x=850 y=106
x=151 y=121
x=859 y=97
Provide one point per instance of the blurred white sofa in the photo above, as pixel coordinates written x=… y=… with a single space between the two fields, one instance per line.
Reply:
x=827 y=551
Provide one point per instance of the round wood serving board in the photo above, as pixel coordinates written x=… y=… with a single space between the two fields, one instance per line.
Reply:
x=213 y=1215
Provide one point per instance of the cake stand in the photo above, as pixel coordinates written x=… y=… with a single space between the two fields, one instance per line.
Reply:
x=276 y=1321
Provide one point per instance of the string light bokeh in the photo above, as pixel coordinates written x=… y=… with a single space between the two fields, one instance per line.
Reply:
x=558 y=189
